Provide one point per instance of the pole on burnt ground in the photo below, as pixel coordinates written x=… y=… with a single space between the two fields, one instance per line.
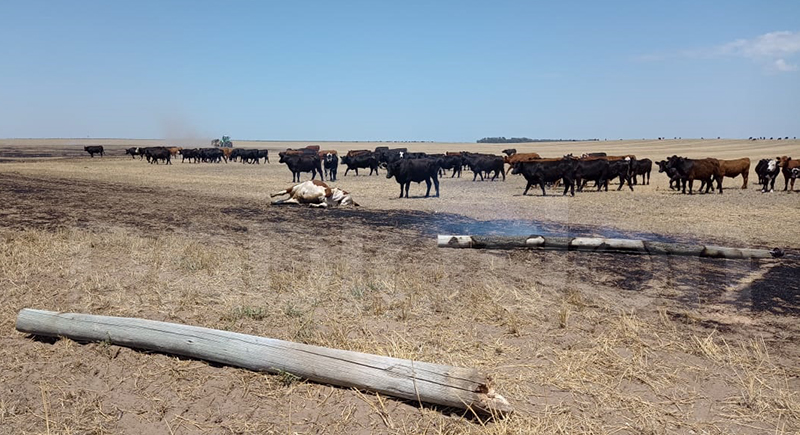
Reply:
x=599 y=244
x=417 y=381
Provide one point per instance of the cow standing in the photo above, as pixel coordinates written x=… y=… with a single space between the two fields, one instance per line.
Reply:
x=768 y=171
x=547 y=171
x=643 y=167
x=706 y=170
x=787 y=164
x=485 y=163
x=366 y=159
x=331 y=164
x=302 y=162
x=405 y=171
x=734 y=168
x=92 y=150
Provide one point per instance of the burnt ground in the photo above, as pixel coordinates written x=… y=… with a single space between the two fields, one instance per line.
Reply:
x=740 y=301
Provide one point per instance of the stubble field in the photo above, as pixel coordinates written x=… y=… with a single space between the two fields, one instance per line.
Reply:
x=577 y=342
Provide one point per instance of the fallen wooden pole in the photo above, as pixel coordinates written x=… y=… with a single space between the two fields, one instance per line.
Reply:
x=418 y=381
x=596 y=244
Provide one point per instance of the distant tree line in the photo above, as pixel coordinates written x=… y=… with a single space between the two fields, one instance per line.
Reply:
x=502 y=139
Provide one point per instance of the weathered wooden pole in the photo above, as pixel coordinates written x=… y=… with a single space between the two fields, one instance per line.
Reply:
x=597 y=244
x=418 y=381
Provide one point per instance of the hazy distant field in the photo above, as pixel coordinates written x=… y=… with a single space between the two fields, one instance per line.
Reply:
x=577 y=342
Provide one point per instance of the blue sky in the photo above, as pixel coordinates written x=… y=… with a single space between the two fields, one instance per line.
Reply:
x=410 y=70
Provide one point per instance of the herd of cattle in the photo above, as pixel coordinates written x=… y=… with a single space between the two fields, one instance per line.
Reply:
x=198 y=155
x=571 y=171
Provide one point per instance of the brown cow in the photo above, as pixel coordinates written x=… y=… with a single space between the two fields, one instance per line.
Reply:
x=615 y=158
x=736 y=167
x=312 y=147
x=173 y=151
x=520 y=157
x=227 y=152
x=353 y=153
x=787 y=164
x=707 y=170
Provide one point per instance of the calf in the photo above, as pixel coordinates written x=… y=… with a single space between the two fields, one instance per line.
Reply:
x=734 y=168
x=298 y=163
x=131 y=151
x=768 y=173
x=331 y=160
x=92 y=150
x=405 y=171
x=363 y=160
x=547 y=171
x=314 y=193
x=786 y=164
x=674 y=180
x=585 y=155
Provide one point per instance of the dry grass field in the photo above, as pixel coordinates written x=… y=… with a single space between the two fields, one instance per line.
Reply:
x=578 y=342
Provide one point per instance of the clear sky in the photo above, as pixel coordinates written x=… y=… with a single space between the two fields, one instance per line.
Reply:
x=404 y=70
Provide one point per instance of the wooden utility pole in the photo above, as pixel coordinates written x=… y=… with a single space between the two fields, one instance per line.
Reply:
x=417 y=381
x=597 y=244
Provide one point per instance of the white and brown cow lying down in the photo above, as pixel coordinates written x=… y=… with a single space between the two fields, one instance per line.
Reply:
x=314 y=193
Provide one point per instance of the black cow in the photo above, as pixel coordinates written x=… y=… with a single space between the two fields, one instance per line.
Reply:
x=390 y=155
x=584 y=155
x=595 y=170
x=405 y=171
x=247 y=156
x=154 y=154
x=211 y=155
x=622 y=169
x=510 y=151
x=131 y=151
x=365 y=160
x=761 y=170
x=298 y=163
x=189 y=153
x=263 y=154
x=767 y=170
x=92 y=150
x=674 y=180
x=547 y=171
x=642 y=167
x=480 y=163
x=453 y=162
x=331 y=166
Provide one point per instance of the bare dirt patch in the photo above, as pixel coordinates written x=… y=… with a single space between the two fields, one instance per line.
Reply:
x=578 y=342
